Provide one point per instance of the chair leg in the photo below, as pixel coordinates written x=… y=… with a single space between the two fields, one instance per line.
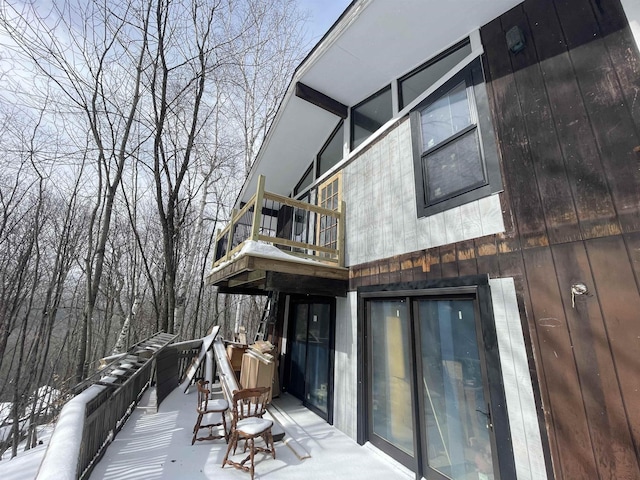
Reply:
x=270 y=442
x=252 y=453
x=224 y=425
x=196 y=428
x=233 y=440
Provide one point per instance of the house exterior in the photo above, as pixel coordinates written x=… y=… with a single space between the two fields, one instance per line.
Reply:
x=469 y=294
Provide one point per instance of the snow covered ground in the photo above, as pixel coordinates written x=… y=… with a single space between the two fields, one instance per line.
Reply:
x=25 y=465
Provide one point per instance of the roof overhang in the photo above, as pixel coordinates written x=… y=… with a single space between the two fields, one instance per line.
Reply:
x=372 y=43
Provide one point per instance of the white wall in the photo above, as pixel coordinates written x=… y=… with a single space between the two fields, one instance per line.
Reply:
x=521 y=408
x=381 y=216
x=345 y=405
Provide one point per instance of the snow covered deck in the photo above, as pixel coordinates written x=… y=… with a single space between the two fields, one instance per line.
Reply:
x=157 y=446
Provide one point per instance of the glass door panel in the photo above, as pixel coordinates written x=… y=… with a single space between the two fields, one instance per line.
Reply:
x=310 y=356
x=318 y=348
x=391 y=405
x=298 y=350
x=455 y=408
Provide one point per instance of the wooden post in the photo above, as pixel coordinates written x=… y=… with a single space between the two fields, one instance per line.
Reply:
x=257 y=209
x=227 y=254
x=215 y=247
x=341 y=232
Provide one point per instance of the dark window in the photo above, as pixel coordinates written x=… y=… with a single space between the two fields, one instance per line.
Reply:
x=305 y=181
x=455 y=156
x=419 y=80
x=331 y=152
x=369 y=115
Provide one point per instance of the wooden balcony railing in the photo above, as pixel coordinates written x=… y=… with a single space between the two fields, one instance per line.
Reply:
x=295 y=227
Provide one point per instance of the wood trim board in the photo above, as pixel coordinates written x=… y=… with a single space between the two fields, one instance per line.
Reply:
x=193 y=368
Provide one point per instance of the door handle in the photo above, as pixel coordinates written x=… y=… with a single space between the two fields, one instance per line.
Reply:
x=487 y=415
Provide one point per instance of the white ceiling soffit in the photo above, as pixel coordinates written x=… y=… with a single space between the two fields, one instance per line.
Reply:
x=374 y=42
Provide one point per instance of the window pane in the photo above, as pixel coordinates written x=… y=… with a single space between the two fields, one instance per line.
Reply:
x=305 y=181
x=317 y=374
x=332 y=153
x=454 y=168
x=445 y=117
x=370 y=116
x=458 y=443
x=391 y=374
x=299 y=350
x=412 y=86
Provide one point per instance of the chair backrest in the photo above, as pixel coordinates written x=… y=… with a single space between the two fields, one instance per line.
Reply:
x=203 y=396
x=250 y=402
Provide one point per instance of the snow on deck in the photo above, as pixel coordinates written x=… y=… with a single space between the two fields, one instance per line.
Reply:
x=266 y=250
x=155 y=446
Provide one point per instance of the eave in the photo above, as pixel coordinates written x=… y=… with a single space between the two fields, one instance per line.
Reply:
x=373 y=43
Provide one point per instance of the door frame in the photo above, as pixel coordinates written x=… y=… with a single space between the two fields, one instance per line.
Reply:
x=478 y=286
x=309 y=300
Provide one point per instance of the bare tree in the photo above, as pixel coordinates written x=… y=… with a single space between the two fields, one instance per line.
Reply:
x=92 y=53
x=264 y=62
x=139 y=120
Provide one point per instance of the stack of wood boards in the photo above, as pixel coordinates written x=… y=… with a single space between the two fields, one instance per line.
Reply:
x=258 y=367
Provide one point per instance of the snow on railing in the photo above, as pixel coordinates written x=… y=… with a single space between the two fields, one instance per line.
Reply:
x=89 y=421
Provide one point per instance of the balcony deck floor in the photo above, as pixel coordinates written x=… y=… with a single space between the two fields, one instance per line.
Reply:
x=155 y=446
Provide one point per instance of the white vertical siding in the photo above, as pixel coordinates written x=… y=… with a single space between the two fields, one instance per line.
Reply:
x=345 y=406
x=521 y=408
x=381 y=217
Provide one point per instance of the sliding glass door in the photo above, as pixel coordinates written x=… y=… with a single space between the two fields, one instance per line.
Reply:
x=427 y=397
x=310 y=361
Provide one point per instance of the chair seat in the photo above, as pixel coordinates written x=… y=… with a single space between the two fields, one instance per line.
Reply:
x=215 y=405
x=253 y=425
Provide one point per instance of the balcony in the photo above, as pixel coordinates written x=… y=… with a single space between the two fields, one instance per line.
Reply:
x=285 y=245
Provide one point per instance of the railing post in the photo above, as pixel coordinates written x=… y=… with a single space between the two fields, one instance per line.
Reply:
x=341 y=233
x=227 y=254
x=257 y=209
x=215 y=247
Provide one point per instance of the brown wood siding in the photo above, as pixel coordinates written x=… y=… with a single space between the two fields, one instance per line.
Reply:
x=567 y=117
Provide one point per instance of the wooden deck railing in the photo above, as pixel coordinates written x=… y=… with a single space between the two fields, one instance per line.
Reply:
x=295 y=227
x=89 y=421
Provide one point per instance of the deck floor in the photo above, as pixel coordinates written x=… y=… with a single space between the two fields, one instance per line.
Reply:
x=158 y=446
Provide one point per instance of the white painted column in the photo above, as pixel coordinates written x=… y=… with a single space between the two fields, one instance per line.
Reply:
x=518 y=389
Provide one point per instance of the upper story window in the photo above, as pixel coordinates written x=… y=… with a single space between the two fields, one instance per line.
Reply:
x=331 y=152
x=455 y=156
x=420 y=79
x=305 y=181
x=369 y=115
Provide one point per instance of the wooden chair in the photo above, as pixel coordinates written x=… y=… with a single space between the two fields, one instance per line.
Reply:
x=211 y=413
x=248 y=407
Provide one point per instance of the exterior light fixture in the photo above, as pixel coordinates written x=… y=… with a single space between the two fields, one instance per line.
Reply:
x=515 y=39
